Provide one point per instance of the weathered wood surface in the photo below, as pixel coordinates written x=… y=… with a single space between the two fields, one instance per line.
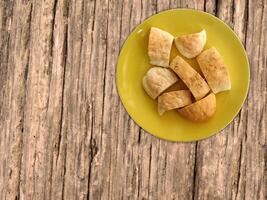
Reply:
x=64 y=133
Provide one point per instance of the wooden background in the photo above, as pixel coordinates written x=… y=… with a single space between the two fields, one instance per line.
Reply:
x=64 y=133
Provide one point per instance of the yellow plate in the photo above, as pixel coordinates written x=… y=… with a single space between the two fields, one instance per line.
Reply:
x=134 y=63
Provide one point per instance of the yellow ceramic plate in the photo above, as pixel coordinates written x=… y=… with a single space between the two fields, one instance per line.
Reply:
x=133 y=64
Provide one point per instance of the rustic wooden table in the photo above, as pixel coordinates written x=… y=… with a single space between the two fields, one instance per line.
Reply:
x=64 y=133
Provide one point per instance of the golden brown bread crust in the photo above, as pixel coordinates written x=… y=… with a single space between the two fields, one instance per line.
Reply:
x=159 y=47
x=173 y=100
x=157 y=80
x=193 y=80
x=201 y=110
x=213 y=67
x=191 y=45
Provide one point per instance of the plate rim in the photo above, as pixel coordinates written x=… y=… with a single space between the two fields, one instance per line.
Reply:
x=243 y=50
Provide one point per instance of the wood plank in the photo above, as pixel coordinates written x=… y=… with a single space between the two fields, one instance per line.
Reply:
x=223 y=160
x=252 y=185
x=217 y=169
x=64 y=133
x=35 y=166
x=6 y=16
x=13 y=93
x=57 y=147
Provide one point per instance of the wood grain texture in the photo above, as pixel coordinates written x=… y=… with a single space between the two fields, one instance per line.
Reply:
x=64 y=133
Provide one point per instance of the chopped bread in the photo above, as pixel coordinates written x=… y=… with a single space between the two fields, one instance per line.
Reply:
x=157 y=80
x=201 y=110
x=191 y=45
x=192 y=79
x=214 y=69
x=159 y=47
x=173 y=100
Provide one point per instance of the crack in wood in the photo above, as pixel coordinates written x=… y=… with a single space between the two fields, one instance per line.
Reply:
x=104 y=73
x=139 y=135
x=131 y=10
x=51 y=46
x=246 y=18
x=65 y=55
x=139 y=180
x=194 y=188
x=64 y=175
x=120 y=42
x=233 y=12
x=149 y=166
x=265 y=168
x=217 y=2
x=94 y=14
x=239 y=168
x=141 y=17
x=93 y=149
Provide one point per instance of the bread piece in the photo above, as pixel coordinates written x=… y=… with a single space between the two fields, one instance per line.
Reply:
x=157 y=80
x=159 y=47
x=191 y=45
x=173 y=100
x=193 y=80
x=201 y=110
x=212 y=65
